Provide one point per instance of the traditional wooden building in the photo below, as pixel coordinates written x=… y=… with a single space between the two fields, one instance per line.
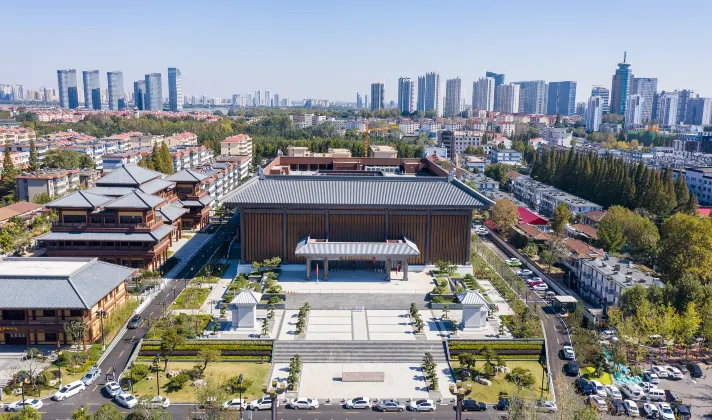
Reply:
x=366 y=217
x=192 y=197
x=40 y=295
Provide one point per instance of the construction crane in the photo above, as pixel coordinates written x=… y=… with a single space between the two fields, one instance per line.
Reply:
x=367 y=130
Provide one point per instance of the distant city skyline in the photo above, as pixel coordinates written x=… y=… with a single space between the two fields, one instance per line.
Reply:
x=211 y=66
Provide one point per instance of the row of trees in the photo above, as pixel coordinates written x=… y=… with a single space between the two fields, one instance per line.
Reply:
x=608 y=181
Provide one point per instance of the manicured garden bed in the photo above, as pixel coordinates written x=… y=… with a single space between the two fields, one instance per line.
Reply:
x=191 y=298
x=490 y=394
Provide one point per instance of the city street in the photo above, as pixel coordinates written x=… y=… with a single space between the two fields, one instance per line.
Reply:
x=119 y=355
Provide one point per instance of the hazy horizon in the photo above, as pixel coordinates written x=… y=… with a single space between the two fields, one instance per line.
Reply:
x=329 y=50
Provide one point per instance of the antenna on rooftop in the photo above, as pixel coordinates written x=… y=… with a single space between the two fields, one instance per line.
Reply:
x=625 y=55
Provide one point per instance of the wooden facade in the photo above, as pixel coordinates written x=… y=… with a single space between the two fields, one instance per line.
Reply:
x=439 y=234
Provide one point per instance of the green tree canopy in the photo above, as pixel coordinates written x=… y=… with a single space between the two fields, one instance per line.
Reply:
x=505 y=215
x=67 y=159
x=686 y=247
x=562 y=216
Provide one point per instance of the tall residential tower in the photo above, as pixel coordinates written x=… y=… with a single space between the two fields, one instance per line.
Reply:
x=154 y=92
x=115 y=81
x=92 y=89
x=647 y=88
x=67 y=84
x=532 y=97
x=621 y=87
x=405 y=95
x=561 y=98
x=378 y=91
x=453 y=93
x=175 y=90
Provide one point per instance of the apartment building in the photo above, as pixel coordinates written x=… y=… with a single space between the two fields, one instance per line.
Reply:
x=189 y=157
x=10 y=135
x=182 y=139
x=20 y=160
x=699 y=182
x=140 y=140
x=40 y=147
x=551 y=199
x=474 y=162
x=240 y=144
x=109 y=162
x=509 y=156
x=530 y=191
x=383 y=151
x=603 y=280
x=457 y=141
x=53 y=182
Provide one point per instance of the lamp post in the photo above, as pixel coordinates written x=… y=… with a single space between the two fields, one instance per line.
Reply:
x=460 y=392
x=101 y=315
x=239 y=387
x=59 y=368
x=273 y=392
x=156 y=361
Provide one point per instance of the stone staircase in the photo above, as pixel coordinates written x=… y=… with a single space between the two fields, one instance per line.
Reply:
x=358 y=351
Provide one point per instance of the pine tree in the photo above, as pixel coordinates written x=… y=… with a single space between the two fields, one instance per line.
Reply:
x=166 y=161
x=8 y=167
x=692 y=205
x=34 y=160
x=682 y=194
x=156 y=158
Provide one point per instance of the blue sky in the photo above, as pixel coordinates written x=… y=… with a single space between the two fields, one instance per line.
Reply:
x=332 y=49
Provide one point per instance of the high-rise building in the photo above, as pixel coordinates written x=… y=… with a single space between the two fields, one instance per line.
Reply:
x=92 y=89
x=268 y=98
x=683 y=97
x=581 y=108
x=429 y=93
x=175 y=90
x=508 y=98
x=359 y=101
x=140 y=94
x=561 y=98
x=634 y=111
x=405 y=95
x=667 y=108
x=594 y=113
x=275 y=100
x=453 y=95
x=483 y=94
x=646 y=87
x=699 y=111
x=498 y=81
x=154 y=92
x=604 y=93
x=621 y=87
x=117 y=95
x=378 y=100
x=366 y=103
x=67 y=86
x=532 y=97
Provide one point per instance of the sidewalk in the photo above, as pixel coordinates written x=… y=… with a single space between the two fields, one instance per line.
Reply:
x=186 y=251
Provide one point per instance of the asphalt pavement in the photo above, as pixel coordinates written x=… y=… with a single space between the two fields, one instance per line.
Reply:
x=119 y=355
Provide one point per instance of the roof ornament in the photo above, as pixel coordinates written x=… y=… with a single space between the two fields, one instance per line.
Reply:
x=279 y=153
x=451 y=175
x=260 y=172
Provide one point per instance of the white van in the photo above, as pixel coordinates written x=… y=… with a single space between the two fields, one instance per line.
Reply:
x=633 y=391
x=69 y=390
x=656 y=394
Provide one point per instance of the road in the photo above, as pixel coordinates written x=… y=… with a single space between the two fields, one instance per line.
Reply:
x=118 y=356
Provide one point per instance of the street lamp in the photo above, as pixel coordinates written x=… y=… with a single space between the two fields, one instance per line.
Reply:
x=239 y=386
x=156 y=361
x=274 y=391
x=59 y=368
x=460 y=392
x=101 y=315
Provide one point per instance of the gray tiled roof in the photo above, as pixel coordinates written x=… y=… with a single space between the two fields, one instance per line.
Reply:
x=135 y=200
x=97 y=236
x=131 y=175
x=246 y=297
x=306 y=248
x=162 y=232
x=204 y=201
x=79 y=200
x=471 y=298
x=80 y=290
x=357 y=191
x=110 y=191
x=152 y=187
x=171 y=212
x=187 y=175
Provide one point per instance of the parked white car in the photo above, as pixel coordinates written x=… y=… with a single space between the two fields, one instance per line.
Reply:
x=358 y=402
x=631 y=408
x=673 y=372
x=91 y=376
x=524 y=272
x=126 y=400
x=614 y=392
x=69 y=390
x=235 y=404
x=546 y=406
x=28 y=402
x=569 y=353
x=632 y=391
x=665 y=411
x=304 y=404
x=661 y=371
x=651 y=377
x=112 y=388
x=608 y=334
x=264 y=403
x=650 y=410
x=160 y=402
x=540 y=288
x=646 y=386
x=598 y=402
x=599 y=388
x=422 y=405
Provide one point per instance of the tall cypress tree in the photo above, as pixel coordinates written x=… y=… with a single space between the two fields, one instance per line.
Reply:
x=166 y=161
x=156 y=158
x=682 y=194
x=34 y=160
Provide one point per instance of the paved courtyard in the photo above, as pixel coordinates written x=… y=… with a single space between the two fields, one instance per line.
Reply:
x=323 y=380
x=358 y=281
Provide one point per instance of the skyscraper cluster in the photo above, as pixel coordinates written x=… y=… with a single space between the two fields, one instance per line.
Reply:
x=148 y=93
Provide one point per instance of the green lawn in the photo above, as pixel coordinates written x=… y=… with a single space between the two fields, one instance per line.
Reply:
x=256 y=372
x=490 y=394
x=191 y=298
x=589 y=373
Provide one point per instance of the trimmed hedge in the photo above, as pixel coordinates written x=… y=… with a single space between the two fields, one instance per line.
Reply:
x=533 y=348
x=248 y=349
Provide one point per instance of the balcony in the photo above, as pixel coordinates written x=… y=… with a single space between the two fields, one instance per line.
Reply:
x=103 y=225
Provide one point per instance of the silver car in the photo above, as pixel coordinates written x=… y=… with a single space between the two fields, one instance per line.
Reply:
x=390 y=405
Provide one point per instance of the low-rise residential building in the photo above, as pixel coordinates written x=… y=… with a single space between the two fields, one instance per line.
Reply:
x=409 y=126
x=509 y=156
x=140 y=140
x=189 y=157
x=457 y=141
x=603 y=279
x=699 y=182
x=551 y=199
x=592 y=218
x=109 y=162
x=473 y=163
x=530 y=191
x=440 y=152
x=22 y=209
x=478 y=181
x=237 y=167
x=41 y=295
x=20 y=160
x=182 y=139
x=557 y=136
x=383 y=151
x=240 y=144
x=53 y=182
x=10 y=135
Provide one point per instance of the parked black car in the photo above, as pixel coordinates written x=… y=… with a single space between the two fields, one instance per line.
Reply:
x=583 y=387
x=616 y=408
x=672 y=397
x=695 y=370
x=682 y=411
x=572 y=368
x=472 y=405
x=502 y=404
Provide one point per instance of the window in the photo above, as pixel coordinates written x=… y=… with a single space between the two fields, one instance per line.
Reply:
x=75 y=312
x=50 y=336
x=13 y=315
x=49 y=312
x=130 y=220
